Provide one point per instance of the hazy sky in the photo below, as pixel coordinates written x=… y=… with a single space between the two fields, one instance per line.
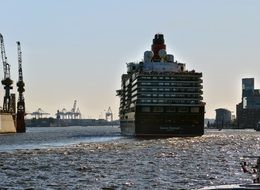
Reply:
x=78 y=49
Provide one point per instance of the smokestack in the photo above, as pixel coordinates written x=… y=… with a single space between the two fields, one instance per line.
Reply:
x=158 y=44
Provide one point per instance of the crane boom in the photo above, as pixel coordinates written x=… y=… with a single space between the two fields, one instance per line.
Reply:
x=73 y=110
x=7 y=82
x=4 y=58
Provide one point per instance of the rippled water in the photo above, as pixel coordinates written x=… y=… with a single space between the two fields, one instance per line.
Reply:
x=124 y=163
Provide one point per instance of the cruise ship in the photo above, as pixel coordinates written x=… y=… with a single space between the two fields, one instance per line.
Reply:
x=160 y=97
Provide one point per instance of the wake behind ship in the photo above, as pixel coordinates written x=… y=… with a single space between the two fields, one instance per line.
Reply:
x=159 y=97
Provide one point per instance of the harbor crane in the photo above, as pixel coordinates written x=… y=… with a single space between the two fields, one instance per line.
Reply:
x=7 y=82
x=63 y=113
x=38 y=113
x=73 y=114
x=78 y=114
x=109 y=114
x=20 y=123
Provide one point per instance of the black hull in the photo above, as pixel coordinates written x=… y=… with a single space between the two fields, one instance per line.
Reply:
x=164 y=124
x=158 y=131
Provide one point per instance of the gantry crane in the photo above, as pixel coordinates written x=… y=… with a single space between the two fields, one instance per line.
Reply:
x=38 y=113
x=73 y=114
x=73 y=110
x=109 y=114
x=7 y=82
x=20 y=123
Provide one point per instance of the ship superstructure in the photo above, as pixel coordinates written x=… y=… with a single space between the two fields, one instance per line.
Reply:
x=159 y=97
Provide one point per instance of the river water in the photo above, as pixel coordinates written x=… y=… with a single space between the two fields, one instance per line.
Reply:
x=100 y=158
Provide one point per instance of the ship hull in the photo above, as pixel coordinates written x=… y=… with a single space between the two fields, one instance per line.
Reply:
x=163 y=124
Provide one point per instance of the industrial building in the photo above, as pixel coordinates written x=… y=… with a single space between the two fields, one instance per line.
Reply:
x=248 y=110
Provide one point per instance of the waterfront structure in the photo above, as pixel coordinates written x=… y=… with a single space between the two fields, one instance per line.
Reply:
x=248 y=110
x=10 y=121
x=223 y=118
x=159 y=97
x=56 y=122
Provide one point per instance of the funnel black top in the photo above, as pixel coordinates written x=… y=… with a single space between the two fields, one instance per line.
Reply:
x=158 y=39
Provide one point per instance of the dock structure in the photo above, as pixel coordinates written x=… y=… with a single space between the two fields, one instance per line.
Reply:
x=10 y=120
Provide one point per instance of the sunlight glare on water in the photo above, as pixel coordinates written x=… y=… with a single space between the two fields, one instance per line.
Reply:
x=129 y=163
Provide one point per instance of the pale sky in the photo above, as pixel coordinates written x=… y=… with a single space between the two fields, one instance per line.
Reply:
x=78 y=49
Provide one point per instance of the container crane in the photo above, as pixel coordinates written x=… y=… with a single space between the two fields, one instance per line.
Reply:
x=74 y=113
x=71 y=114
x=73 y=110
x=20 y=123
x=39 y=113
x=78 y=114
x=109 y=114
x=7 y=82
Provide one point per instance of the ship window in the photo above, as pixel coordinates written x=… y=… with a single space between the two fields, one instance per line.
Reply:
x=169 y=101
x=145 y=109
x=183 y=109
x=170 y=109
x=145 y=83
x=194 y=109
x=158 y=109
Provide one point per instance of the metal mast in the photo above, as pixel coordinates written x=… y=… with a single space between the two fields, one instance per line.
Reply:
x=7 y=82
x=20 y=128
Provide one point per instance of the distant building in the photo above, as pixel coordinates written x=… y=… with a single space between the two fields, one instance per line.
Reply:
x=247 y=87
x=248 y=110
x=223 y=117
x=209 y=122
